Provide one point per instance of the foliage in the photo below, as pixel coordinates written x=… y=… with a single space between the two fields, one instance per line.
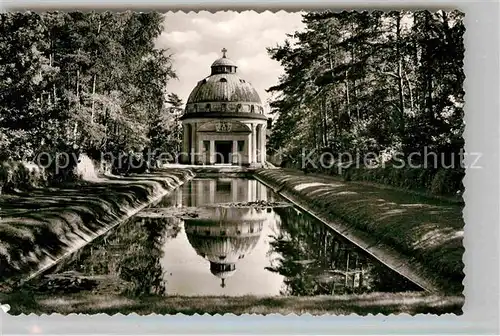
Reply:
x=80 y=83
x=334 y=266
x=165 y=132
x=14 y=174
x=375 y=82
x=442 y=181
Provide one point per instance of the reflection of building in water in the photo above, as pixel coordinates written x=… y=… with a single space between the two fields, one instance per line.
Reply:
x=225 y=236
x=208 y=191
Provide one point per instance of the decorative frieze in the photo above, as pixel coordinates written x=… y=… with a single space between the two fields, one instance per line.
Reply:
x=234 y=107
x=222 y=126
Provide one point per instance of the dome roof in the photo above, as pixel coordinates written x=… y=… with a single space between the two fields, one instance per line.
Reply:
x=223 y=250
x=222 y=271
x=223 y=61
x=224 y=91
x=223 y=274
x=224 y=88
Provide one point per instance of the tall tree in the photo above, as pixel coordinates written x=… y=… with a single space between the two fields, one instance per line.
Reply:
x=80 y=82
x=376 y=81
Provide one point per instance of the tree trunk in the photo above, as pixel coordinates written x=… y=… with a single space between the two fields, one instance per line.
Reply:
x=348 y=103
x=428 y=70
x=105 y=123
x=333 y=111
x=325 y=126
x=400 y=75
x=54 y=93
x=330 y=62
x=50 y=65
x=93 y=99
x=78 y=87
x=94 y=79
x=410 y=90
x=75 y=129
x=355 y=91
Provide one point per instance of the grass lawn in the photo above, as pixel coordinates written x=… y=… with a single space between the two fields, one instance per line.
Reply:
x=426 y=230
x=38 y=226
x=373 y=303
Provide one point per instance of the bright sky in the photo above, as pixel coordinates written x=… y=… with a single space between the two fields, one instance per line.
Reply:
x=196 y=39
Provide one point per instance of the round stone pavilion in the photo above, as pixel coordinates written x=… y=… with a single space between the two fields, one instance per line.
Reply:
x=224 y=121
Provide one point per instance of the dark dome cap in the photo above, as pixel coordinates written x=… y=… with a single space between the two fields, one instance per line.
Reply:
x=223 y=62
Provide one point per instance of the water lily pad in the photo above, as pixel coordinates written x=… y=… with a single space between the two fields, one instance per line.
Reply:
x=261 y=204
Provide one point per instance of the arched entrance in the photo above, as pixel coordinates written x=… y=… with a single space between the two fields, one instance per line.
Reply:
x=223 y=151
x=223 y=141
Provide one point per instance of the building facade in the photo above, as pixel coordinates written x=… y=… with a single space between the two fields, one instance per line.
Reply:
x=224 y=121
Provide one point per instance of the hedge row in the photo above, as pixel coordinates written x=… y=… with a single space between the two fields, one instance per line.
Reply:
x=434 y=181
x=442 y=181
x=21 y=175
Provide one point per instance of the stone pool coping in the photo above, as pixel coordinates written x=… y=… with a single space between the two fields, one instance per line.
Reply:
x=387 y=224
x=41 y=227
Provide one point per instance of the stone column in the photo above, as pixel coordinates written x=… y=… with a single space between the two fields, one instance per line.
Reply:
x=258 y=148
x=186 y=197
x=178 y=201
x=263 y=192
x=199 y=192
x=192 y=157
x=263 y=144
x=249 y=190
x=212 y=152
x=192 y=192
x=234 y=190
x=212 y=190
x=248 y=148
x=185 y=144
x=234 y=154
x=254 y=144
x=201 y=149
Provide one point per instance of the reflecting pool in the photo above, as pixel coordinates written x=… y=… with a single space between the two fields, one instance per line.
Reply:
x=228 y=250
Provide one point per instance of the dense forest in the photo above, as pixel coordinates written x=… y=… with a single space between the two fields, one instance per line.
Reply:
x=374 y=82
x=83 y=83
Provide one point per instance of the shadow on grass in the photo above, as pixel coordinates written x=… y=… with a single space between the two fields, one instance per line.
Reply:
x=38 y=223
x=429 y=231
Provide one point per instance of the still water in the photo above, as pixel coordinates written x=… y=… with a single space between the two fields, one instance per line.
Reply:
x=226 y=251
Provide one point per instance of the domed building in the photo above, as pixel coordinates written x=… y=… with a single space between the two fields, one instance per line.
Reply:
x=224 y=121
x=225 y=237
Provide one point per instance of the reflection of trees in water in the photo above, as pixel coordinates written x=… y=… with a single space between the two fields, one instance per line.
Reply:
x=132 y=253
x=314 y=261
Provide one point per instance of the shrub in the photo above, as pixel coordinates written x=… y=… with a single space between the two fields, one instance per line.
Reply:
x=438 y=182
x=21 y=175
x=127 y=164
x=447 y=181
